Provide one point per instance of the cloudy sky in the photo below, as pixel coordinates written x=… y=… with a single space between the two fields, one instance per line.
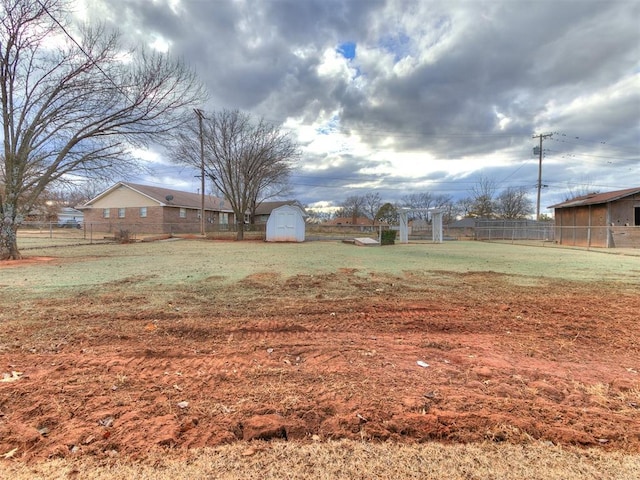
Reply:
x=403 y=96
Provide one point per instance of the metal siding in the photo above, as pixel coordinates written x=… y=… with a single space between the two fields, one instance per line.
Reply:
x=592 y=225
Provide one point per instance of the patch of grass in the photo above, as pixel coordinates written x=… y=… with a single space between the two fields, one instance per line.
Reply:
x=346 y=460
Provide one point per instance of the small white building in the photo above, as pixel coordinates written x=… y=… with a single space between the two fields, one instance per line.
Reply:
x=286 y=224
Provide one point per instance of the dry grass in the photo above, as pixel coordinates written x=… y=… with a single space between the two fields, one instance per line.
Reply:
x=346 y=460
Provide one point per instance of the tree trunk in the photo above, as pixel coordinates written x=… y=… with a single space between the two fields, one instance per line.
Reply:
x=240 y=231
x=9 y=239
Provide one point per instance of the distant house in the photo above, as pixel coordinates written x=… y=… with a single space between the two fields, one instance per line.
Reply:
x=264 y=209
x=609 y=219
x=143 y=208
x=359 y=221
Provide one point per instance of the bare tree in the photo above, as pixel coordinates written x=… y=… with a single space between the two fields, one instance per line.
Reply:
x=422 y=201
x=513 y=204
x=483 y=204
x=247 y=161
x=579 y=190
x=447 y=206
x=316 y=216
x=353 y=207
x=75 y=108
x=464 y=206
x=371 y=205
x=72 y=194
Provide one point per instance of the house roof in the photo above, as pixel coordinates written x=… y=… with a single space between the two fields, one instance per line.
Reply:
x=597 y=198
x=161 y=194
x=69 y=211
x=265 y=208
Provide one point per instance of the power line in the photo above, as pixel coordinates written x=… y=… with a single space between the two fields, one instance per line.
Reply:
x=584 y=140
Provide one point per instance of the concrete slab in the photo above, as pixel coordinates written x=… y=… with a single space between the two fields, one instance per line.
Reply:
x=366 y=242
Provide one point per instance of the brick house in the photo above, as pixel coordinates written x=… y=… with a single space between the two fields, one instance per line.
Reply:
x=147 y=209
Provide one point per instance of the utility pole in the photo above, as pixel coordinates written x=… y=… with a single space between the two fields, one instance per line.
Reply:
x=541 y=137
x=200 y=117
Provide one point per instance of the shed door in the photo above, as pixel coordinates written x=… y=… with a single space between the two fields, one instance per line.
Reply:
x=285 y=226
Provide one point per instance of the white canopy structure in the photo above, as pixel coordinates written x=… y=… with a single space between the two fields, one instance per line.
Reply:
x=436 y=223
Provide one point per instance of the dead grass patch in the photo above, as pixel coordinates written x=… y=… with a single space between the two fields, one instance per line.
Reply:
x=336 y=460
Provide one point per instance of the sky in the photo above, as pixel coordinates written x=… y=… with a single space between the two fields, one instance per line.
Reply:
x=400 y=96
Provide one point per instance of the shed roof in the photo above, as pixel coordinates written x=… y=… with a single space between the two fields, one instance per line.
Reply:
x=265 y=208
x=597 y=198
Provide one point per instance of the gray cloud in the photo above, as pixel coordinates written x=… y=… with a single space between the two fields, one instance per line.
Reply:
x=437 y=80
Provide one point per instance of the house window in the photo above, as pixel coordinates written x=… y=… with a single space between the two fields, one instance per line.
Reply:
x=183 y=213
x=121 y=212
x=224 y=218
x=637 y=216
x=106 y=213
x=143 y=212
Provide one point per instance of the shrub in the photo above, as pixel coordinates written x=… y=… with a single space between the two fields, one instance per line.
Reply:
x=388 y=237
x=124 y=236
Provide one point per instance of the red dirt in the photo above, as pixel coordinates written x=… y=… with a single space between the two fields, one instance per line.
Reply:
x=106 y=374
x=25 y=261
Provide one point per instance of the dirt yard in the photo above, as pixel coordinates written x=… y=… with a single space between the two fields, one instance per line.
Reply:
x=118 y=369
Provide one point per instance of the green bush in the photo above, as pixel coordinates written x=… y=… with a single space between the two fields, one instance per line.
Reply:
x=388 y=237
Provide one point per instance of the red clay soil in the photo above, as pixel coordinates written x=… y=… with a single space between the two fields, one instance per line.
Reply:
x=112 y=375
x=25 y=261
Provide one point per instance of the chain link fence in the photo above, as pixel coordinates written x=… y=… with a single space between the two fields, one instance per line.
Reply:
x=50 y=234
x=514 y=231
x=532 y=232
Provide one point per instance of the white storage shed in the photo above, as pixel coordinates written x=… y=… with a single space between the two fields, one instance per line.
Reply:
x=286 y=224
